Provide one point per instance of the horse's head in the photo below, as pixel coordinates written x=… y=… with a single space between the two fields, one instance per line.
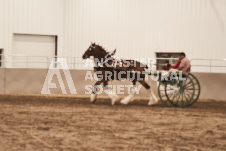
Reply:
x=96 y=51
x=90 y=51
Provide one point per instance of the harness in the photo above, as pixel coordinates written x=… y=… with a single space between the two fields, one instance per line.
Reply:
x=106 y=58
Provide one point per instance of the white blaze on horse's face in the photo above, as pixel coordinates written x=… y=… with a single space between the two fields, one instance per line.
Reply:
x=89 y=52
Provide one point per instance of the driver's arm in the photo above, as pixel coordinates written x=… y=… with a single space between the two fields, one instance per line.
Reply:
x=176 y=65
x=182 y=64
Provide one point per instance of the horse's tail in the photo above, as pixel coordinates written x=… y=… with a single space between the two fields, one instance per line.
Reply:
x=146 y=66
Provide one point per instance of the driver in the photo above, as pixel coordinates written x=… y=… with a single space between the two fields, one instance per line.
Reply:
x=185 y=63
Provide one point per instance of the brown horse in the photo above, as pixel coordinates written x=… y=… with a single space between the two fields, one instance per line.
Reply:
x=109 y=68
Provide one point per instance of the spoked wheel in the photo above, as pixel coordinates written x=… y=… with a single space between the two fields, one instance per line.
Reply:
x=177 y=93
x=162 y=94
x=197 y=88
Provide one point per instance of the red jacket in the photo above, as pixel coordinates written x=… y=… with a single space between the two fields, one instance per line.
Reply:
x=165 y=68
x=176 y=65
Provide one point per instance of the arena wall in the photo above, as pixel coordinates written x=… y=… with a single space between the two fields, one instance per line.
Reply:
x=131 y=26
x=2 y=85
x=31 y=81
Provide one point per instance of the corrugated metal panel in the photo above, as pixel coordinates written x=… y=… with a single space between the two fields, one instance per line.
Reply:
x=136 y=28
x=41 y=17
x=139 y=28
x=30 y=17
x=176 y=26
x=1 y=23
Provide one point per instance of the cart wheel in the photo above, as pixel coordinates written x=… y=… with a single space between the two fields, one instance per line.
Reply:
x=197 y=89
x=177 y=93
x=162 y=94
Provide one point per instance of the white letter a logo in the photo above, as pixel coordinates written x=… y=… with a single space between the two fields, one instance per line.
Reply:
x=55 y=71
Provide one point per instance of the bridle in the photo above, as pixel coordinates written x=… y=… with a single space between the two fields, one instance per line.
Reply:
x=92 y=47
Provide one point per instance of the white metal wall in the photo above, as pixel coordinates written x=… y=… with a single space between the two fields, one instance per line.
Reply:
x=38 y=47
x=30 y=17
x=196 y=27
x=137 y=28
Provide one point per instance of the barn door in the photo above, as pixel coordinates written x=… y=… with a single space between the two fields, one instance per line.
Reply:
x=32 y=51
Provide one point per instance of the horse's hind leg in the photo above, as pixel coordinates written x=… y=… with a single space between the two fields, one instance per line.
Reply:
x=152 y=98
x=130 y=97
x=94 y=93
x=114 y=97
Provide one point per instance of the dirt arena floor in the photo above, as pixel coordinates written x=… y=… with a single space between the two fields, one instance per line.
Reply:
x=33 y=122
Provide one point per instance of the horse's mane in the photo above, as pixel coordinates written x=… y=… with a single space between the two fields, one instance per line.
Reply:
x=103 y=49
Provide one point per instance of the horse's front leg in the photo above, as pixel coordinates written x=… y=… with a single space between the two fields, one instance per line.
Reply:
x=130 y=97
x=114 y=97
x=94 y=93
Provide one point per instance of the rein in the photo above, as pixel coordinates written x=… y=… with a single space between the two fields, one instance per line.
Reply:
x=106 y=58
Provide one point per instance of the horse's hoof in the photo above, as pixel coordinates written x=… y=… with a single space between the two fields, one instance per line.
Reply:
x=92 y=102
x=124 y=101
x=150 y=103
x=114 y=101
x=114 y=98
x=93 y=98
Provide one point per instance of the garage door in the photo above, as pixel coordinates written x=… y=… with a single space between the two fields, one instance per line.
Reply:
x=32 y=51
